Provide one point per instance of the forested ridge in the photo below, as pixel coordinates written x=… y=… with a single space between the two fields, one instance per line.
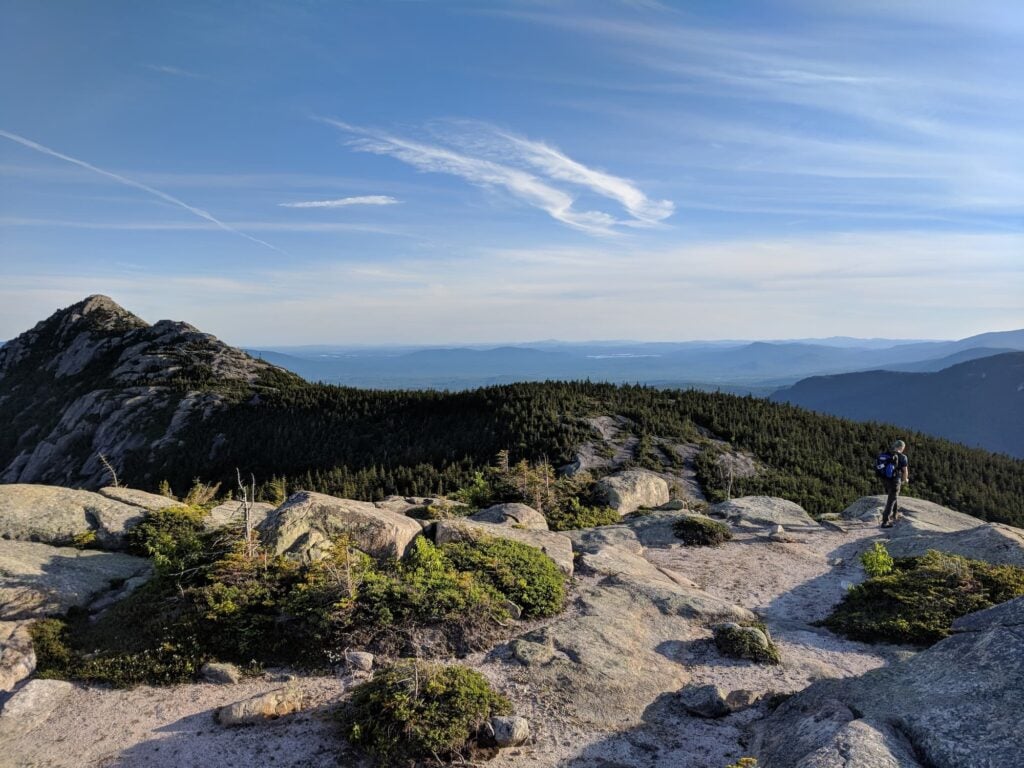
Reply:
x=362 y=443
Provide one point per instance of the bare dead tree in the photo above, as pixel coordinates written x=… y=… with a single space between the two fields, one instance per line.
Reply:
x=248 y=499
x=726 y=474
x=110 y=468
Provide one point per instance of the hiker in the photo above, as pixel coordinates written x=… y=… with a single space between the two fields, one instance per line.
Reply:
x=892 y=467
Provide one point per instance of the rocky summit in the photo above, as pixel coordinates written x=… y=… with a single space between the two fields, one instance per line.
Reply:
x=631 y=674
x=95 y=383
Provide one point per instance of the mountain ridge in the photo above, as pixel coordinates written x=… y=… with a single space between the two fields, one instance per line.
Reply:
x=978 y=402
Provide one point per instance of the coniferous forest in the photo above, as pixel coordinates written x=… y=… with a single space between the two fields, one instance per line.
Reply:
x=367 y=444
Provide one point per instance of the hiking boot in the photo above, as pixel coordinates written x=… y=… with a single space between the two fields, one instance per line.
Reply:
x=887 y=525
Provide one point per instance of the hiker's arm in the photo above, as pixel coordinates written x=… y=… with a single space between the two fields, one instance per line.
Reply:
x=906 y=473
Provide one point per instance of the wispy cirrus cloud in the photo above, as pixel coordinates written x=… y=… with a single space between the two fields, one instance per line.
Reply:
x=529 y=170
x=344 y=202
x=176 y=71
x=137 y=185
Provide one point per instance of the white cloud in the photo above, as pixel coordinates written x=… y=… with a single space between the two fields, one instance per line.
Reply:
x=137 y=185
x=815 y=285
x=344 y=201
x=475 y=162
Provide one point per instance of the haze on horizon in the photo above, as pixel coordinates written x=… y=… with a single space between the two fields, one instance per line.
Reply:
x=471 y=172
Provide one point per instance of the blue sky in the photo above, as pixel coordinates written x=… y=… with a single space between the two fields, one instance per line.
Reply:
x=437 y=172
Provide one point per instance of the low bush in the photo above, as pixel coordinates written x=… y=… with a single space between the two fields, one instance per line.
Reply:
x=877 y=561
x=748 y=640
x=573 y=515
x=698 y=531
x=413 y=711
x=521 y=573
x=918 y=601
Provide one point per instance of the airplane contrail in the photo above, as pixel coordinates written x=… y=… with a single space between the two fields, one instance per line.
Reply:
x=138 y=185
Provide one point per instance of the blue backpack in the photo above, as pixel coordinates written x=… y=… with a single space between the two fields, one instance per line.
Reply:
x=887 y=465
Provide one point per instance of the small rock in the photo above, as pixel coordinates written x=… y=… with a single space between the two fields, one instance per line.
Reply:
x=17 y=658
x=267 y=706
x=673 y=505
x=222 y=674
x=704 y=701
x=510 y=731
x=360 y=661
x=746 y=642
x=743 y=698
x=531 y=654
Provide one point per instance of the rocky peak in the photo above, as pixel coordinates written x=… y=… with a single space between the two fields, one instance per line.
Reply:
x=94 y=379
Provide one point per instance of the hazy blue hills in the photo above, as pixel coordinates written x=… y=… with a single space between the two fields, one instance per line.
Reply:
x=757 y=367
x=979 y=402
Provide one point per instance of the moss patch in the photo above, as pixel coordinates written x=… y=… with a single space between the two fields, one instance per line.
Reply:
x=919 y=600
x=413 y=711
x=701 y=531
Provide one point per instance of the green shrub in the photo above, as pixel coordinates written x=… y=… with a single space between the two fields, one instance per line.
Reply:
x=478 y=493
x=523 y=574
x=240 y=605
x=739 y=642
x=174 y=537
x=573 y=515
x=424 y=601
x=744 y=762
x=877 y=561
x=414 y=711
x=701 y=531
x=919 y=600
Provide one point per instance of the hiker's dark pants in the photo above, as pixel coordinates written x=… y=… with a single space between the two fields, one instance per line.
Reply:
x=892 y=503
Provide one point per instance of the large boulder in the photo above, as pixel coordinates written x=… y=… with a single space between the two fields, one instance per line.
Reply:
x=516 y=515
x=923 y=525
x=230 y=512
x=38 y=580
x=418 y=506
x=916 y=514
x=619 y=648
x=652 y=530
x=138 y=498
x=764 y=512
x=54 y=515
x=633 y=489
x=555 y=545
x=31 y=705
x=306 y=525
x=950 y=706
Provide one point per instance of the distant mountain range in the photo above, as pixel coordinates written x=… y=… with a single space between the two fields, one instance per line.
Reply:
x=737 y=366
x=979 y=402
